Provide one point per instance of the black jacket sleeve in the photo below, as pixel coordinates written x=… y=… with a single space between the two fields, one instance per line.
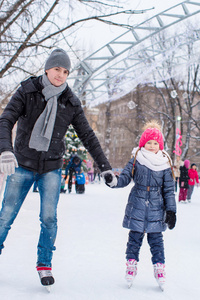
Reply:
x=9 y=117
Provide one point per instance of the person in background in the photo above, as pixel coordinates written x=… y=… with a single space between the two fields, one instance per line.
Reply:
x=151 y=202
x=183 y=181
x=62 y=187
x=43 y=108
x=178 y=162
x=90 y=170
x=193 y=176
x=73 y=168
x=96 y=172
x=80 y=182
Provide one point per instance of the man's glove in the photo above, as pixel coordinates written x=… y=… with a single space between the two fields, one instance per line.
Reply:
x=8 y=163
x=110 y=178
x=170 y=219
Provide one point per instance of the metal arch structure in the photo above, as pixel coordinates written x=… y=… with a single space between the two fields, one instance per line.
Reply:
x=94 y=75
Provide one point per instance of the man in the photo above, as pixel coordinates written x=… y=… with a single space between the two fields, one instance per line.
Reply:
x=73 y=168
x=43 y=108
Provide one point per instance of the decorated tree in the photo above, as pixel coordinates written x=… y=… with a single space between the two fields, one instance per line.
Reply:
x=74 y=146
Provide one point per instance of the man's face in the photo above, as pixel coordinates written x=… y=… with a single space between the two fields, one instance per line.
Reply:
x=57 y=75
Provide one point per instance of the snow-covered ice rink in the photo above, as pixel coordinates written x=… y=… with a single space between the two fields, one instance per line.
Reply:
x=89 y=263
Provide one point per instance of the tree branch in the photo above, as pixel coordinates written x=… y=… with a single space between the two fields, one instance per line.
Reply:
x=11 y=11
x=16 y=17
x=98 y=18
x=24 y=45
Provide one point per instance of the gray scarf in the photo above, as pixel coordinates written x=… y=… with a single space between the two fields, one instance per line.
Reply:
x=42 y=131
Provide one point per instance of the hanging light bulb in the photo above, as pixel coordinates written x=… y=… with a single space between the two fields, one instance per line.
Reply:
x=131 y=104
x=185 y=95
x=173 y=94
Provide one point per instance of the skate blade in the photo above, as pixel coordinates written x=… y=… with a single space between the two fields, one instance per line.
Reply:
x=48 y=288
x=161 y=286
x=130 y=285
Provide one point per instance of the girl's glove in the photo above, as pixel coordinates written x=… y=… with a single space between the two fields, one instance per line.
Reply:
x=170 y=219
x=8 y=163
x=109 y=178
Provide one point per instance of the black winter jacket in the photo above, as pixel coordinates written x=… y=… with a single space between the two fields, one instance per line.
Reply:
x=184 y=177
x=25 y=107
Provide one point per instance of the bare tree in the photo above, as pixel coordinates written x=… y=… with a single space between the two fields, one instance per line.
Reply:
x=177 y=85
x=169 y=92
x=29 y=28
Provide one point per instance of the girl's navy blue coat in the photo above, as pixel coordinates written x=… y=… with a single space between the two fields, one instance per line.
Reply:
x=150 y=197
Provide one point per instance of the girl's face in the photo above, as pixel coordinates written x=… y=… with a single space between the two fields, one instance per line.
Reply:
x=152 y=146
x=194 y=167
x=57 y=75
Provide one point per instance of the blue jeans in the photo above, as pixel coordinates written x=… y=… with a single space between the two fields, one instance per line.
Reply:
x=35 y=187
x=17 y=187
x=155 y=241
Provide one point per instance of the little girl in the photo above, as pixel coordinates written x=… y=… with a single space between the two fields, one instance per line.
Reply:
x=151 y=202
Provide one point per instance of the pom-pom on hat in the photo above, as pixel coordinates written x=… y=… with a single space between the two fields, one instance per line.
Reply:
x=58 y=58
x=152 y=132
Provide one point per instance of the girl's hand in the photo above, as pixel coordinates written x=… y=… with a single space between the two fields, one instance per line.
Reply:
x=170 y=219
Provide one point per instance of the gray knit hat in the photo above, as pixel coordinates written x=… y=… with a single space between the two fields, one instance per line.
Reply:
x=58 y=58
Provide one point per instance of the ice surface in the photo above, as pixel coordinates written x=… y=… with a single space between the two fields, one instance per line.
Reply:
x=89 y=263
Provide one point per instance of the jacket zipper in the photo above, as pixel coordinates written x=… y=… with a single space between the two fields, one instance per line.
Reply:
x=147 y=201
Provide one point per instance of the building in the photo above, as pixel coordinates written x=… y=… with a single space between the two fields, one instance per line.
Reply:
x=118 y=124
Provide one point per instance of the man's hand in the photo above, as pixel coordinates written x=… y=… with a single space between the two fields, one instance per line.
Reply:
x=8 y=163
x=110 y=178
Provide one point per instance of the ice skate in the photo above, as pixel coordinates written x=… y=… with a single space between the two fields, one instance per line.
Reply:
x=159 y=274
x=46 y=277
x=131 y=271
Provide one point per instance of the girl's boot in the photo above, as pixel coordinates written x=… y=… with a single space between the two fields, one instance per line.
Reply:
x=159 y=274
x=131 y=271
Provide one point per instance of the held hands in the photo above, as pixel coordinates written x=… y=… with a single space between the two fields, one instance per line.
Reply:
x=170 y=219
x=8 y=163
x=109 y=178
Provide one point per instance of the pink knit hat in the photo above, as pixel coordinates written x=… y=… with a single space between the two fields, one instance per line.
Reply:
x=187 y=163
x=152 y=134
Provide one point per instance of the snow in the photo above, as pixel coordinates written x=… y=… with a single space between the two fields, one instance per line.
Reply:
x=89 y=263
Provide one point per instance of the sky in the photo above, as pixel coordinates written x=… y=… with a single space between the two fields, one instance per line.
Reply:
x=159 y=5
x=97 y=30
x=90 y=36
x=94 y=35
